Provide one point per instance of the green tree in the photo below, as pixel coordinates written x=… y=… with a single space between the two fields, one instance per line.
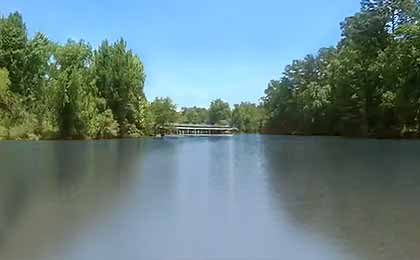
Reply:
x=278 y=106
x=25 y=59
x=69 y=90
x=6 y=104
x=4 y=90
x=38 y=53
x=15 y=123
x=394 y=12
x=163 y=112
x=301 y=101
x=399 y=68
x=13 y=43
x=219 y=112
x=74 y=87
x=120 y=80
x=247 y=117
x=366 y=86
x=194 y=115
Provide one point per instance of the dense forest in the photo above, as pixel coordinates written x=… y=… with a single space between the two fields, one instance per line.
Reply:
x=48 y=90
x=368 y=85
x=72 y=91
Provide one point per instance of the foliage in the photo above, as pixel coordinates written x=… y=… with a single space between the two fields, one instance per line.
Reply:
x=16 y=123
x=163 y=113
x=73 y=85
x=247 y=117
x=219 y=112
x=49 y=90
x=106 y=126
x=120 y=80
x=5 y=109
x=13 y=43
x=194 y=115
x=366 y=86
x=4 y=87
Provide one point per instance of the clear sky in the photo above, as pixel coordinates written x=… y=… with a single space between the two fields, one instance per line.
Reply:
x=197 y=50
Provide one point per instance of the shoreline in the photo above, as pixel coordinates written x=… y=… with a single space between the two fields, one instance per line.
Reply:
x=367 y=137
x=395 y=137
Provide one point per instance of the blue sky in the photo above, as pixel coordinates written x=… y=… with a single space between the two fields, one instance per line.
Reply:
x=195 y=51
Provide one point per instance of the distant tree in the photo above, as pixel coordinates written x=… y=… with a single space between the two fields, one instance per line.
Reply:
x=194 y=115
x=219 y=112
x=247 y=117
x=163 y=112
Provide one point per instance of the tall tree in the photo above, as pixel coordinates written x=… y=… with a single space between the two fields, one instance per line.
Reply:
x=74 y=85
x=37 y=55
x=120 y=80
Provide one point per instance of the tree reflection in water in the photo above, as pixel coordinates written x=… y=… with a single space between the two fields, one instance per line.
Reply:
x=242 y=197
x=49 y=190
x=362 y=195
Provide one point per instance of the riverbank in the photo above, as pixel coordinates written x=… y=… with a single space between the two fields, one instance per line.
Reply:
x=383 y=136
x=390 y=137
x=16 y=136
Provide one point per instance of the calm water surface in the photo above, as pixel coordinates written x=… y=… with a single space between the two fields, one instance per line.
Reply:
x=245 y=197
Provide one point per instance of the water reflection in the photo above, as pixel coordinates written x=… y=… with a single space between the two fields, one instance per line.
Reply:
x=49 y=190
x=360 y=195
x=247 y=197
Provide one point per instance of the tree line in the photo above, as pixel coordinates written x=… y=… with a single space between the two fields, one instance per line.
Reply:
x=368 y=85
x=247 y=117
x=73 y=91
x=51 y=90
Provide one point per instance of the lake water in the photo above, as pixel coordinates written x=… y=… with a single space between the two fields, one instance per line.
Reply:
x=243 y=197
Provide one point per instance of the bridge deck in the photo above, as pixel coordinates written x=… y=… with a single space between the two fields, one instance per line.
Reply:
x=201 y=130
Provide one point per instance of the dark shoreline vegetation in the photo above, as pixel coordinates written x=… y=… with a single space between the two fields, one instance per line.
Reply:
x=366 y=86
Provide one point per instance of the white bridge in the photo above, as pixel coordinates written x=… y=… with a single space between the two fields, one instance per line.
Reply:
x=202 y=130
